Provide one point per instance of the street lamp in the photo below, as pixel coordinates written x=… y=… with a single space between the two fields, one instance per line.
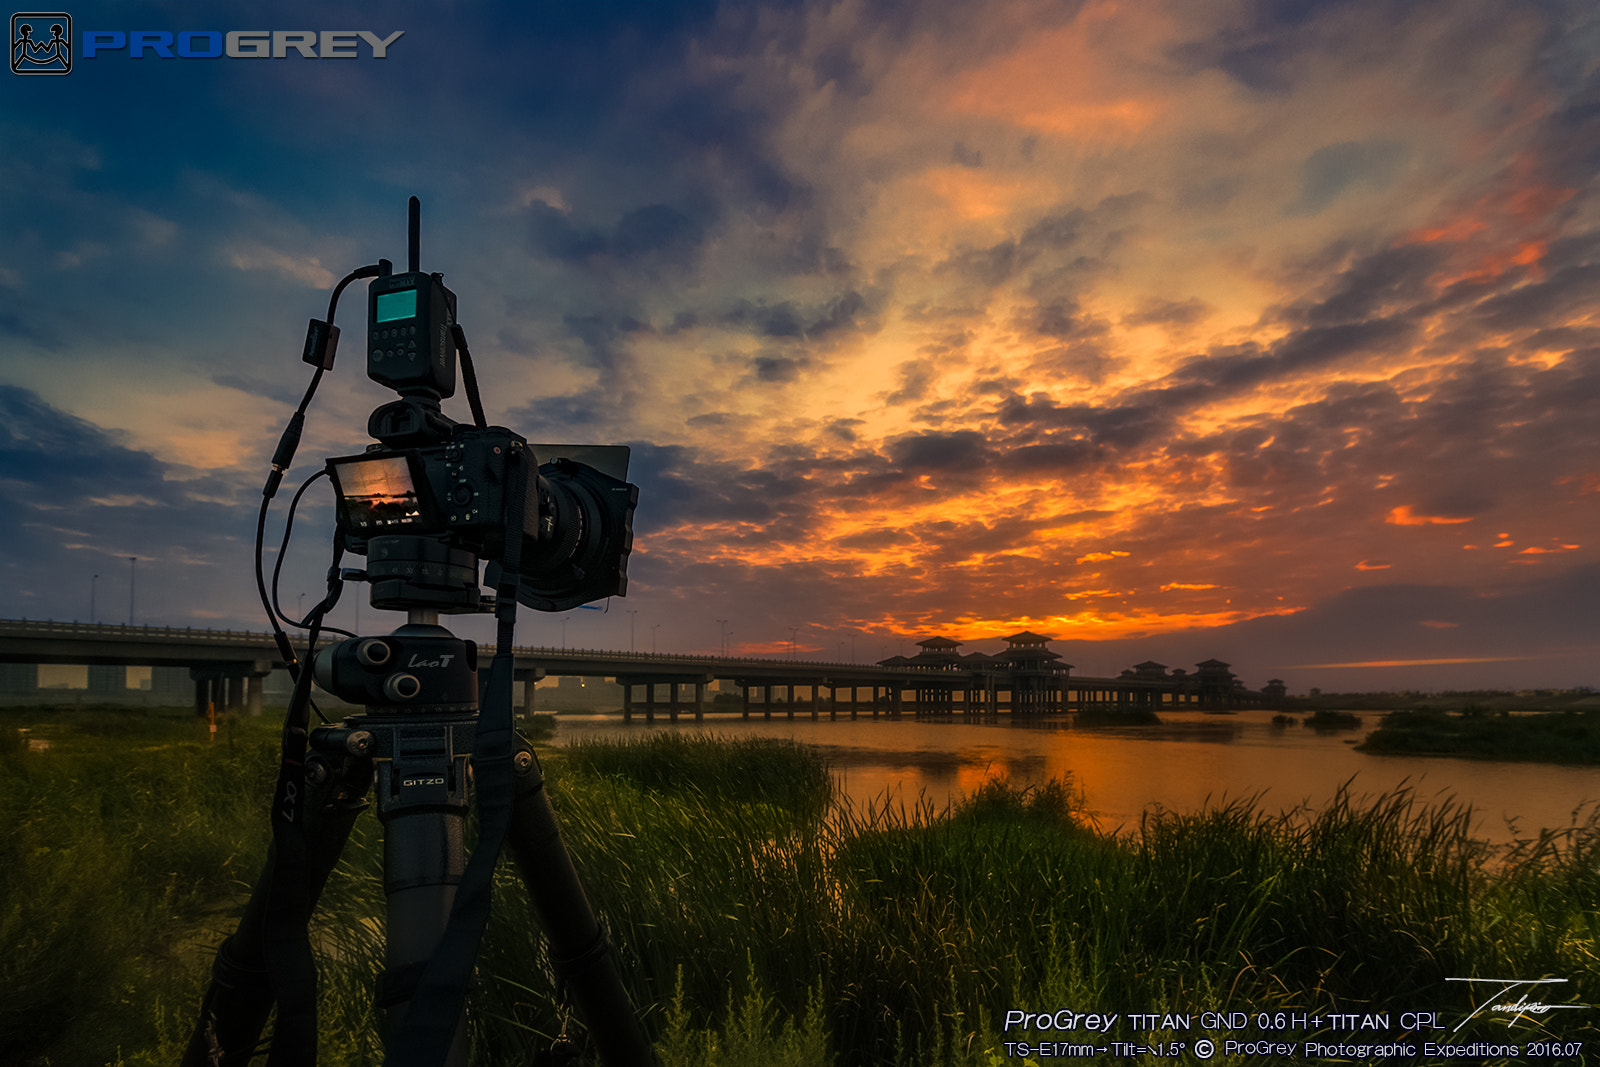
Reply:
x=793 y=630
x=724 y=624
x=131 y=561
x=301 y=608
x=633 y=617
x=92 y=579
x=653 y=630
x=564 y=619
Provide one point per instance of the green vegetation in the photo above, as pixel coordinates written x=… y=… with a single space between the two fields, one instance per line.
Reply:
x=1554 y=737
x=761 y=921
x=1094 y=716
x=1449 y=700
x=1325 y=719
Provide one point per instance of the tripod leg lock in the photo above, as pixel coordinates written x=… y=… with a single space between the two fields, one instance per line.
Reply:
x=573 y=966
x=396 y=985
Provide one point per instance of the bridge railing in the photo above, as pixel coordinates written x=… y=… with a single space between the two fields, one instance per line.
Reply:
x=51 y=627
x=32 y=627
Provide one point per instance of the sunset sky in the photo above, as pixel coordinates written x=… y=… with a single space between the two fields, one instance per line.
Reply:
x=1267 y=331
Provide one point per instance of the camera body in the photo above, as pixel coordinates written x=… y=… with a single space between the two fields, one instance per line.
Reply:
x=424 y=515
x=457 y=488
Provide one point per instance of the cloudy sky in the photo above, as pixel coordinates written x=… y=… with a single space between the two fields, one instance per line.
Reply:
x=1258 y=330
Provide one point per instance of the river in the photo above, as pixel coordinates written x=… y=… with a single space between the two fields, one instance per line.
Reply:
x=1191 y=759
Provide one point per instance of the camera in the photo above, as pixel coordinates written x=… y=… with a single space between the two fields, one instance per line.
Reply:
x=434 y=496
x=427 y=504
x=423 y=516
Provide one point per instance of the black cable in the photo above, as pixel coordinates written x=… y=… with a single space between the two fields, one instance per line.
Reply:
x=281 y=461
x=283 y=548
x=277 y=568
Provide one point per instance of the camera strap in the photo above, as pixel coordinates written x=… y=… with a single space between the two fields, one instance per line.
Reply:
x=286 y=941
x=434 y=1012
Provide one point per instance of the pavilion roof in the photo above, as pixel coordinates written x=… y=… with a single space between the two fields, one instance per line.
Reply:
x=1026 y=653
x=938 y=642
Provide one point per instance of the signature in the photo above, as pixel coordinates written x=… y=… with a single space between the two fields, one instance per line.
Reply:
x=1515 y=1008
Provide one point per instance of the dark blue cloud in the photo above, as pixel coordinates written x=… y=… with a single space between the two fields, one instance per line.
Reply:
x=655 y=233
x=1333 y=169
x=75 y=501
x=52 y=460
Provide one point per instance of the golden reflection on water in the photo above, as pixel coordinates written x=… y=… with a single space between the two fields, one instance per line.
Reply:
x=1192 y=759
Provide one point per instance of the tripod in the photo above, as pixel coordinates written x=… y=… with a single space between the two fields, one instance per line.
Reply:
x=415 y=743
x=425 y=505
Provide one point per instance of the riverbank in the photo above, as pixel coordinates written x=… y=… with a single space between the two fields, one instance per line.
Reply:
x=762 y=921
x=1569 y=737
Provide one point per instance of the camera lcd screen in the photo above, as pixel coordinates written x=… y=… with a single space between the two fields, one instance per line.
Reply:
x=396 y=305
x=378 y=493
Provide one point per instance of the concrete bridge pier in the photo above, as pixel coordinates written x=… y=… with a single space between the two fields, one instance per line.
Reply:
x=202 y=692
x=699 y=702
x=207 y=689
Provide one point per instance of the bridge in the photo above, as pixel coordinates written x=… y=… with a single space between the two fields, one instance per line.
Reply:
x=228 y=668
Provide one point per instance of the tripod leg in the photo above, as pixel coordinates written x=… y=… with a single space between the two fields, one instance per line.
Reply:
x=240 y=997
x=423 y=796
x=583 y=957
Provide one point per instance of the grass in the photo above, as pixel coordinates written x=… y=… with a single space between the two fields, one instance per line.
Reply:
x=128 y=832
x=763 y=921
x=1571 y=736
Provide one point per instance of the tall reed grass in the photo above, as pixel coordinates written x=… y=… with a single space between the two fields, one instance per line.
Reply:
x=762 y=920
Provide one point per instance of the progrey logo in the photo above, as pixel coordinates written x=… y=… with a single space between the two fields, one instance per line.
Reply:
x=41 y=42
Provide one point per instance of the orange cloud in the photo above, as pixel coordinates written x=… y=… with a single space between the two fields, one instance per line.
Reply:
x=1508 y=227
x=1413 y=662
x=1091 y=625
x=1072 y=80
x=973 y=194
x=1404 y=516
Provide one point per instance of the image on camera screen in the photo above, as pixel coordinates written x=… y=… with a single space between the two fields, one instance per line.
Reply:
x=378 y=492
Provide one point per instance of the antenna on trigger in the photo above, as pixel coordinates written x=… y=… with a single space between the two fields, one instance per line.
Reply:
x=414 y=236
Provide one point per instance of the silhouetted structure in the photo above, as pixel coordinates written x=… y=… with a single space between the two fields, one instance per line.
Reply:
x=226 y=670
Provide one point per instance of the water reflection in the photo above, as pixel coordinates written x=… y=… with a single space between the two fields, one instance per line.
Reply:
x=1189 y=760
